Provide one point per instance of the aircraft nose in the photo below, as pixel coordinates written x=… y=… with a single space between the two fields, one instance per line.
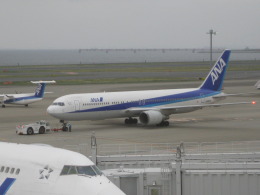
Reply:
x=111 y=189
x=51 y=110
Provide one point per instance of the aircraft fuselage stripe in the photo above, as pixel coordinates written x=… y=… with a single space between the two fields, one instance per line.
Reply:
x=6 y=185
x=158 y=101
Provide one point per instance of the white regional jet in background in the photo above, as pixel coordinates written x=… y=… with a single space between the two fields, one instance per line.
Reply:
x=43 y=170
x=26 y=98
x=153 y=107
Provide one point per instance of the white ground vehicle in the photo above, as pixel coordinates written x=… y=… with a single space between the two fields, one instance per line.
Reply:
x=40 y=127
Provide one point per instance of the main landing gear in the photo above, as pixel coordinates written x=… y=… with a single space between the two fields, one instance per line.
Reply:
x=163 y=124
x=131 y=121
x=134 y=121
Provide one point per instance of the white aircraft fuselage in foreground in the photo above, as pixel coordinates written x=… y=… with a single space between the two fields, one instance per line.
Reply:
x=152 y=107
x=43 y=170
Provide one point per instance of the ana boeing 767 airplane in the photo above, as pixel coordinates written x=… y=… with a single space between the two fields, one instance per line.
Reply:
x=152 y=107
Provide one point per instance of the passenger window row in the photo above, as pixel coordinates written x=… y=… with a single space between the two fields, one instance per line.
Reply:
x=99 y=103
x=9 y=170
x=145 y=101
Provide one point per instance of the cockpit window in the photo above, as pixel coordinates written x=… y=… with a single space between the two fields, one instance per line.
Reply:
x=72 y=171
x=86 y=170
x=97 y=170
x=58 y=104
x=80 y=170
x=65 y=170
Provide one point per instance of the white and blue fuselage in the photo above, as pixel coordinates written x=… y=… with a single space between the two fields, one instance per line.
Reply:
x=26 y=99
x=21 y=99
x=97 y=106
x=153 y=107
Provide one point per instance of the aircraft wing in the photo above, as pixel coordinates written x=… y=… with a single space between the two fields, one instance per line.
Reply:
x=237 y=95
x=180 y=109
x=37 y=82
x=6 y=95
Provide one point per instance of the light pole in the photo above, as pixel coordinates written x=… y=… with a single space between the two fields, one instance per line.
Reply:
x=211 y=32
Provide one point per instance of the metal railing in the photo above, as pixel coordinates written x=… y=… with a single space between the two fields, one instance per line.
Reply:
x=170 y=148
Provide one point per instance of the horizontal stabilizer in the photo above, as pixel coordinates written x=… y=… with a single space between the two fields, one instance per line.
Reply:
x=47 y=82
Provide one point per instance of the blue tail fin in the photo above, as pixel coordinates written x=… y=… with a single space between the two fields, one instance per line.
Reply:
x=39 y=92
x=215 y=78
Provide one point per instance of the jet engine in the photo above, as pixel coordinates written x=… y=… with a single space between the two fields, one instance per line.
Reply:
x=151 y=117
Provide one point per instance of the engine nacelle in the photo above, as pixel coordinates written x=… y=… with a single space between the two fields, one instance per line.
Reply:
x=151 y=117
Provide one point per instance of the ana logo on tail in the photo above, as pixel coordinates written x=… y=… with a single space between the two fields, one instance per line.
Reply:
x=217 y=70
x=38 y=90
x=216 y=75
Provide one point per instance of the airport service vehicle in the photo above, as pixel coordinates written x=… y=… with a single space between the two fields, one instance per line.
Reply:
x=42 y=169
x=40 y=127
x=26 y=98
x=152 y=107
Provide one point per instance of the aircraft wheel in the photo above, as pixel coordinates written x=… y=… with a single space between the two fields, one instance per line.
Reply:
x=3 y=106
x=127 y=121
x=41 y=130
x=130 y=121
x=64 y=127
x=166 y=123
x=30 y=131
x=163 y=124
x=26 y=105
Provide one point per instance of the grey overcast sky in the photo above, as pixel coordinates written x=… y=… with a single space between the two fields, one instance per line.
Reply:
x=75 y=24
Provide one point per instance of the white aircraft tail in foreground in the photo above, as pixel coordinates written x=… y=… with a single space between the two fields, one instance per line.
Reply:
x=43 y=170
x=152 y=107
x=25 y=99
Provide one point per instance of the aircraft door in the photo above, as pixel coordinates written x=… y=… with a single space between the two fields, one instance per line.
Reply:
x=77 y=105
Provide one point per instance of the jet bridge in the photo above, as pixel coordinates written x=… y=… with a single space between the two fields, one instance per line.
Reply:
x=183 y=168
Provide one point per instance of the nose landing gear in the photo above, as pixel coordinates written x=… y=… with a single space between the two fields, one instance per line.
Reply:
x=66 y=126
